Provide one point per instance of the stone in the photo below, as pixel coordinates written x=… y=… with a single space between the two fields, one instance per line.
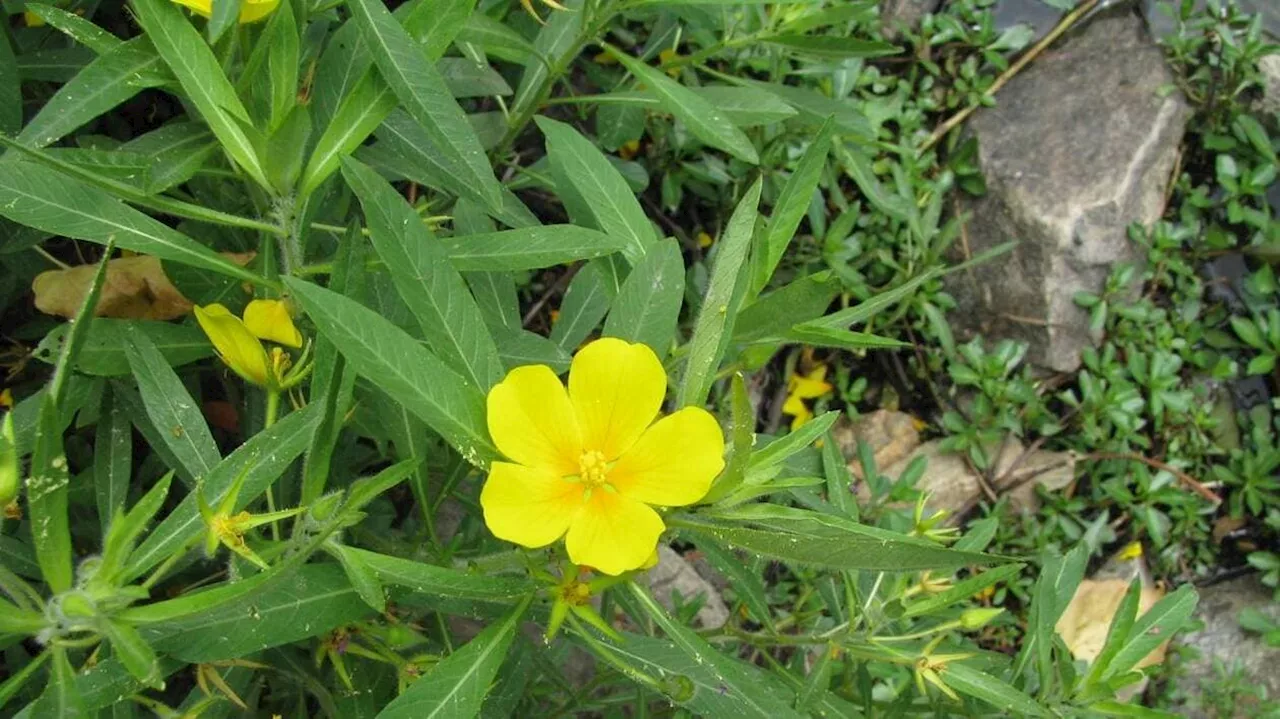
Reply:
x=896 y=15
x=890 y=434
x=1270 y=67
x=674 y=574
x=954 y=487
x=1078 y=147
x=1223 y=639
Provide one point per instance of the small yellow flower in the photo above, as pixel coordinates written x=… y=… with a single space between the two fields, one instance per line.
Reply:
x=1133 y=550
x=32 y=20
x=629 y=149
x=666 y=57
x=239 y=342
x=803 y=387
x=250 y=10
x=705 y=240
x=6 y=398
x=604 y=57
x=588 y=462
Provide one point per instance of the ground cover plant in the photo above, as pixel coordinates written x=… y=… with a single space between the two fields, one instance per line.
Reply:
x=364 y=359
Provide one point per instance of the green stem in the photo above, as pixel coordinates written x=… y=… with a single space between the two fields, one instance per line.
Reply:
x=166 y=565
x=273 y=411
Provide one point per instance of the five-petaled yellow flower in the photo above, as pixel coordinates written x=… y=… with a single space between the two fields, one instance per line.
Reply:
x=588 y=462
x=250 y=10
x=239 y=342
x=801 y=387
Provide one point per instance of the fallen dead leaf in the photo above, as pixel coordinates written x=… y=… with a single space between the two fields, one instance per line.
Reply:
x=1084 y=625
x=134 y=288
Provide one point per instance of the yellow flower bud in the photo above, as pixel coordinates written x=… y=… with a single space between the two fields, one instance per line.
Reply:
x=238 y=348
x=250 y=10
x=270 y=320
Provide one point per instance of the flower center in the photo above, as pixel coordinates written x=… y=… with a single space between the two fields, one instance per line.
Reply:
x=592 y=468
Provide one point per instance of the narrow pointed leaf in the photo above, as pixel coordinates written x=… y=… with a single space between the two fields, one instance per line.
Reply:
x=647 y=308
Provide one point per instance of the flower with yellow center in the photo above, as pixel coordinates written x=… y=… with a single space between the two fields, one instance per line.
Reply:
x=802 y=387
x=250 y=10
x=239 y=342
x=586 y=463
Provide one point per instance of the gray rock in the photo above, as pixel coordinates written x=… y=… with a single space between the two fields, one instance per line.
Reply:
x=1270 y=67
x=895 y=15
x=1079 y=146
x=1223 y=639
x=674 y=574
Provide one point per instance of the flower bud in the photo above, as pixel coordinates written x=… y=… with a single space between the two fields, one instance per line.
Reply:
x=8 y=463
x=977 y=618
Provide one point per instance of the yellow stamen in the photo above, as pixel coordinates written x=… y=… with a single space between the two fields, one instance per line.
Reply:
x=592 y=468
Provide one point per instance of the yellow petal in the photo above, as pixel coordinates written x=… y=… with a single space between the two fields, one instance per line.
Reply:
x=674 y=462
x=270 y=320
x=530 y=507
x=613 y=534
x=199 y=7
x=812 y=385
x=235 y=344
x=617 y=389
x=532 y=422
x=255 y=10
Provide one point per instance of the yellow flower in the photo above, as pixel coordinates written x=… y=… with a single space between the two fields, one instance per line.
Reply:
x=239 y=342
x=705 y=240
x=32 y=20
x=587 y=463
x=250 y=10
x=802 y=387
x=666 y=57
x=629 y=149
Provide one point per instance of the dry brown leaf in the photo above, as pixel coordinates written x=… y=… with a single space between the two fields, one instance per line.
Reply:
x=1084 y=624
x=134 y=288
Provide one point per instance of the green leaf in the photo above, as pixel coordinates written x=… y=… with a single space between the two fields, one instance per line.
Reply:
x=980 y=685
x=585 y=303
x=103 y=352
x=1153 y=628
x=425 y=279
x=112 y=78
x=467 y=78
x=407 y=150
x=839 y=479
x=720 y=306
x=792 y=204
x=647 y=308
x=134 y=653
x=175 y=152
x=262 y=459
x=112 y=459
x=823 y=540
x=170 y=407
x=224 y=16
x=202 y=79
x=401 y=367
x=61 y=697
x=872 y=307
x=604 y=193
x=529 y=248
x=315 y=599
x=10 y=89
x=701 y=117
x=18 y=679
x=830 y=46
x=456 y=687
x=409 y=72
x=745 y=690
x=557 y=42
x=361 y=576
x=746 y=106
x=51 y=201
x=774 y=314
x=962 y=590
x=281 y=34
x=818 y=336
x=521 y=347
x=783 y=448
x=449 y=585
x=75 y=27
x=858 y=167
x=49 y=475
